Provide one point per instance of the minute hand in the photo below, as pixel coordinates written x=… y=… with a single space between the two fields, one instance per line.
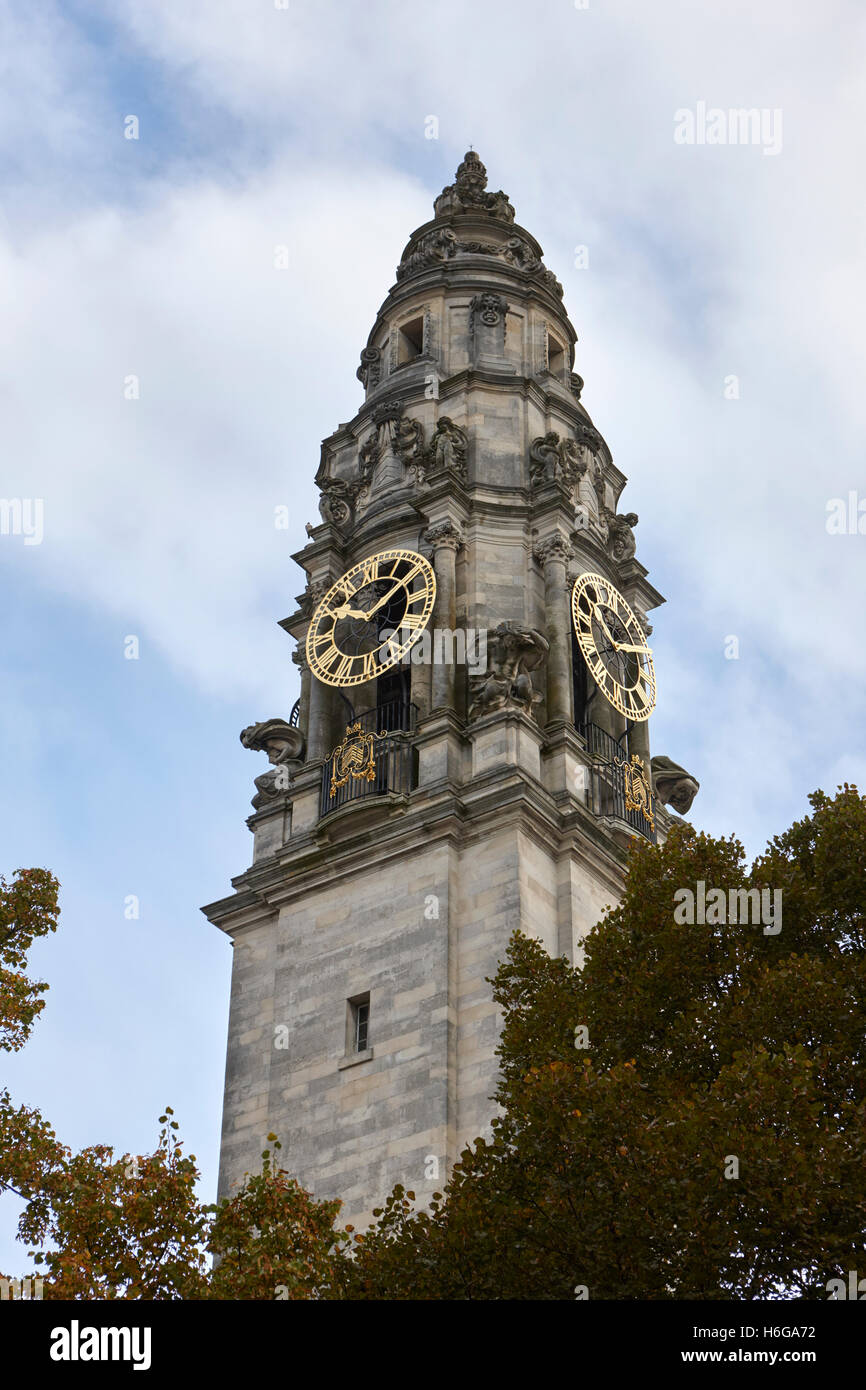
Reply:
x=384 y=599
x=608 y=633
x=626 y=647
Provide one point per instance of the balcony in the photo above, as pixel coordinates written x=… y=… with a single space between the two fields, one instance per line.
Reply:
x=376 y=756
x=618 y=788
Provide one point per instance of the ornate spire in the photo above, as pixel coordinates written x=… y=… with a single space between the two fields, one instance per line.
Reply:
x=468 y=193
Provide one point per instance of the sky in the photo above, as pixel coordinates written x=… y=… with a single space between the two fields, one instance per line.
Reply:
x=164 y=387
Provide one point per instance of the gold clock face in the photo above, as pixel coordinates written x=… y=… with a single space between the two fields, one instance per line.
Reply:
x=370 y=618
x=614 y=646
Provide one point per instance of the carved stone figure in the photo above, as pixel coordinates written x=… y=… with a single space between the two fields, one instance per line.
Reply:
x=545 y=463
x=438 y=245
x=388 y=412
x=380 y=466
x=368 y=457
x=336 y=503
x=408 y=444
x=644 y=621
x=672 y=785
x=448 y=446
x=285 y=747
x=518 y=252
x=513 y=651
x=408 y=439
x=468 y=193
x=621 y=541
x=555 y=460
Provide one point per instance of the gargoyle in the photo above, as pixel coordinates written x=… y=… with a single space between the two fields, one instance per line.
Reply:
x=672 y=785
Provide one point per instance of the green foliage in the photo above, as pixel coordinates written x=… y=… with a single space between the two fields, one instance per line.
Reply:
x=273 y=1240
x=708 y=1141
x=713 y=1049
x=28 y=910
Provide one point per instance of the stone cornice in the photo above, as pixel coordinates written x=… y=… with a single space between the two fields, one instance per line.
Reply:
x=503 y=796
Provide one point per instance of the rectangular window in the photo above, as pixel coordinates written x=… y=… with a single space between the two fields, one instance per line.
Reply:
x=410 y=341
x=358 y=1030
x=555 y=357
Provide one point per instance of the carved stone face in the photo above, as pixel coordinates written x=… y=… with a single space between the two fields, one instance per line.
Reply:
x=275 y=747
x=682 y=794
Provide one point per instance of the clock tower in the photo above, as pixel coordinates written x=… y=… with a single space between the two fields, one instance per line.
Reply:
x=469 y=753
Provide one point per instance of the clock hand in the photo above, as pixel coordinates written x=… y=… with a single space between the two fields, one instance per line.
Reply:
x=610 y=636
x=390 y=594
x=625 y=647
x=345 y=611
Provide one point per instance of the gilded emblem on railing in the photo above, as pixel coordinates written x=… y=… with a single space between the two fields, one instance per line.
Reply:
x=638 y=794
x=354 y=757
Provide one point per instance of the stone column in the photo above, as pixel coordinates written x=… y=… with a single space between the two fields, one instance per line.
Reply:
x=603 y=714
x=553 y=554
x=299 y=657
x=638 y=741
x=320 y=697
x=638 y=732
x=319 y=730
x=445 y=538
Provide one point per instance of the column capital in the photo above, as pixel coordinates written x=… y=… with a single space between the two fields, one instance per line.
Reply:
x=444 y=535
x=552 y=548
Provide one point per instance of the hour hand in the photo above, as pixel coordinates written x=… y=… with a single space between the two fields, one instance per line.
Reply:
x=627 y=647
x=346 y=611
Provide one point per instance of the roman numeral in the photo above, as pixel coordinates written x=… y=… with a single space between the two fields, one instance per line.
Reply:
x=641 y=697
x=343 y=667
x=369 y=572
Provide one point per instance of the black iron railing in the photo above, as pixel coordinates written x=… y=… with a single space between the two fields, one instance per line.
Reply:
x=618 y=788
x=375 y=756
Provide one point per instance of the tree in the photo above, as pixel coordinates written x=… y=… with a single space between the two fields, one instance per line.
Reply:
x=28 y=910
x=709 y=1141
x=685 y=1117
x=272 y=1240
x=132 y=1227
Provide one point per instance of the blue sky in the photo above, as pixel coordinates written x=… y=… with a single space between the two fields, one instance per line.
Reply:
x=305 y=127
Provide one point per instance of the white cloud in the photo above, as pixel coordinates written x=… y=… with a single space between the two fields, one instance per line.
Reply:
x=703 y=262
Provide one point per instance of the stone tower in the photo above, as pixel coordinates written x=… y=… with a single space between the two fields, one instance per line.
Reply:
x=413 y=819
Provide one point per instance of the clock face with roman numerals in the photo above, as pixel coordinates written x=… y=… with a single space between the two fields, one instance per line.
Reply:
x=370 y=618
x=614 y=646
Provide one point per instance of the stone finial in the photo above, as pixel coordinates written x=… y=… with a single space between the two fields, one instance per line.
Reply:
x=672 y=785
x=468 y=193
